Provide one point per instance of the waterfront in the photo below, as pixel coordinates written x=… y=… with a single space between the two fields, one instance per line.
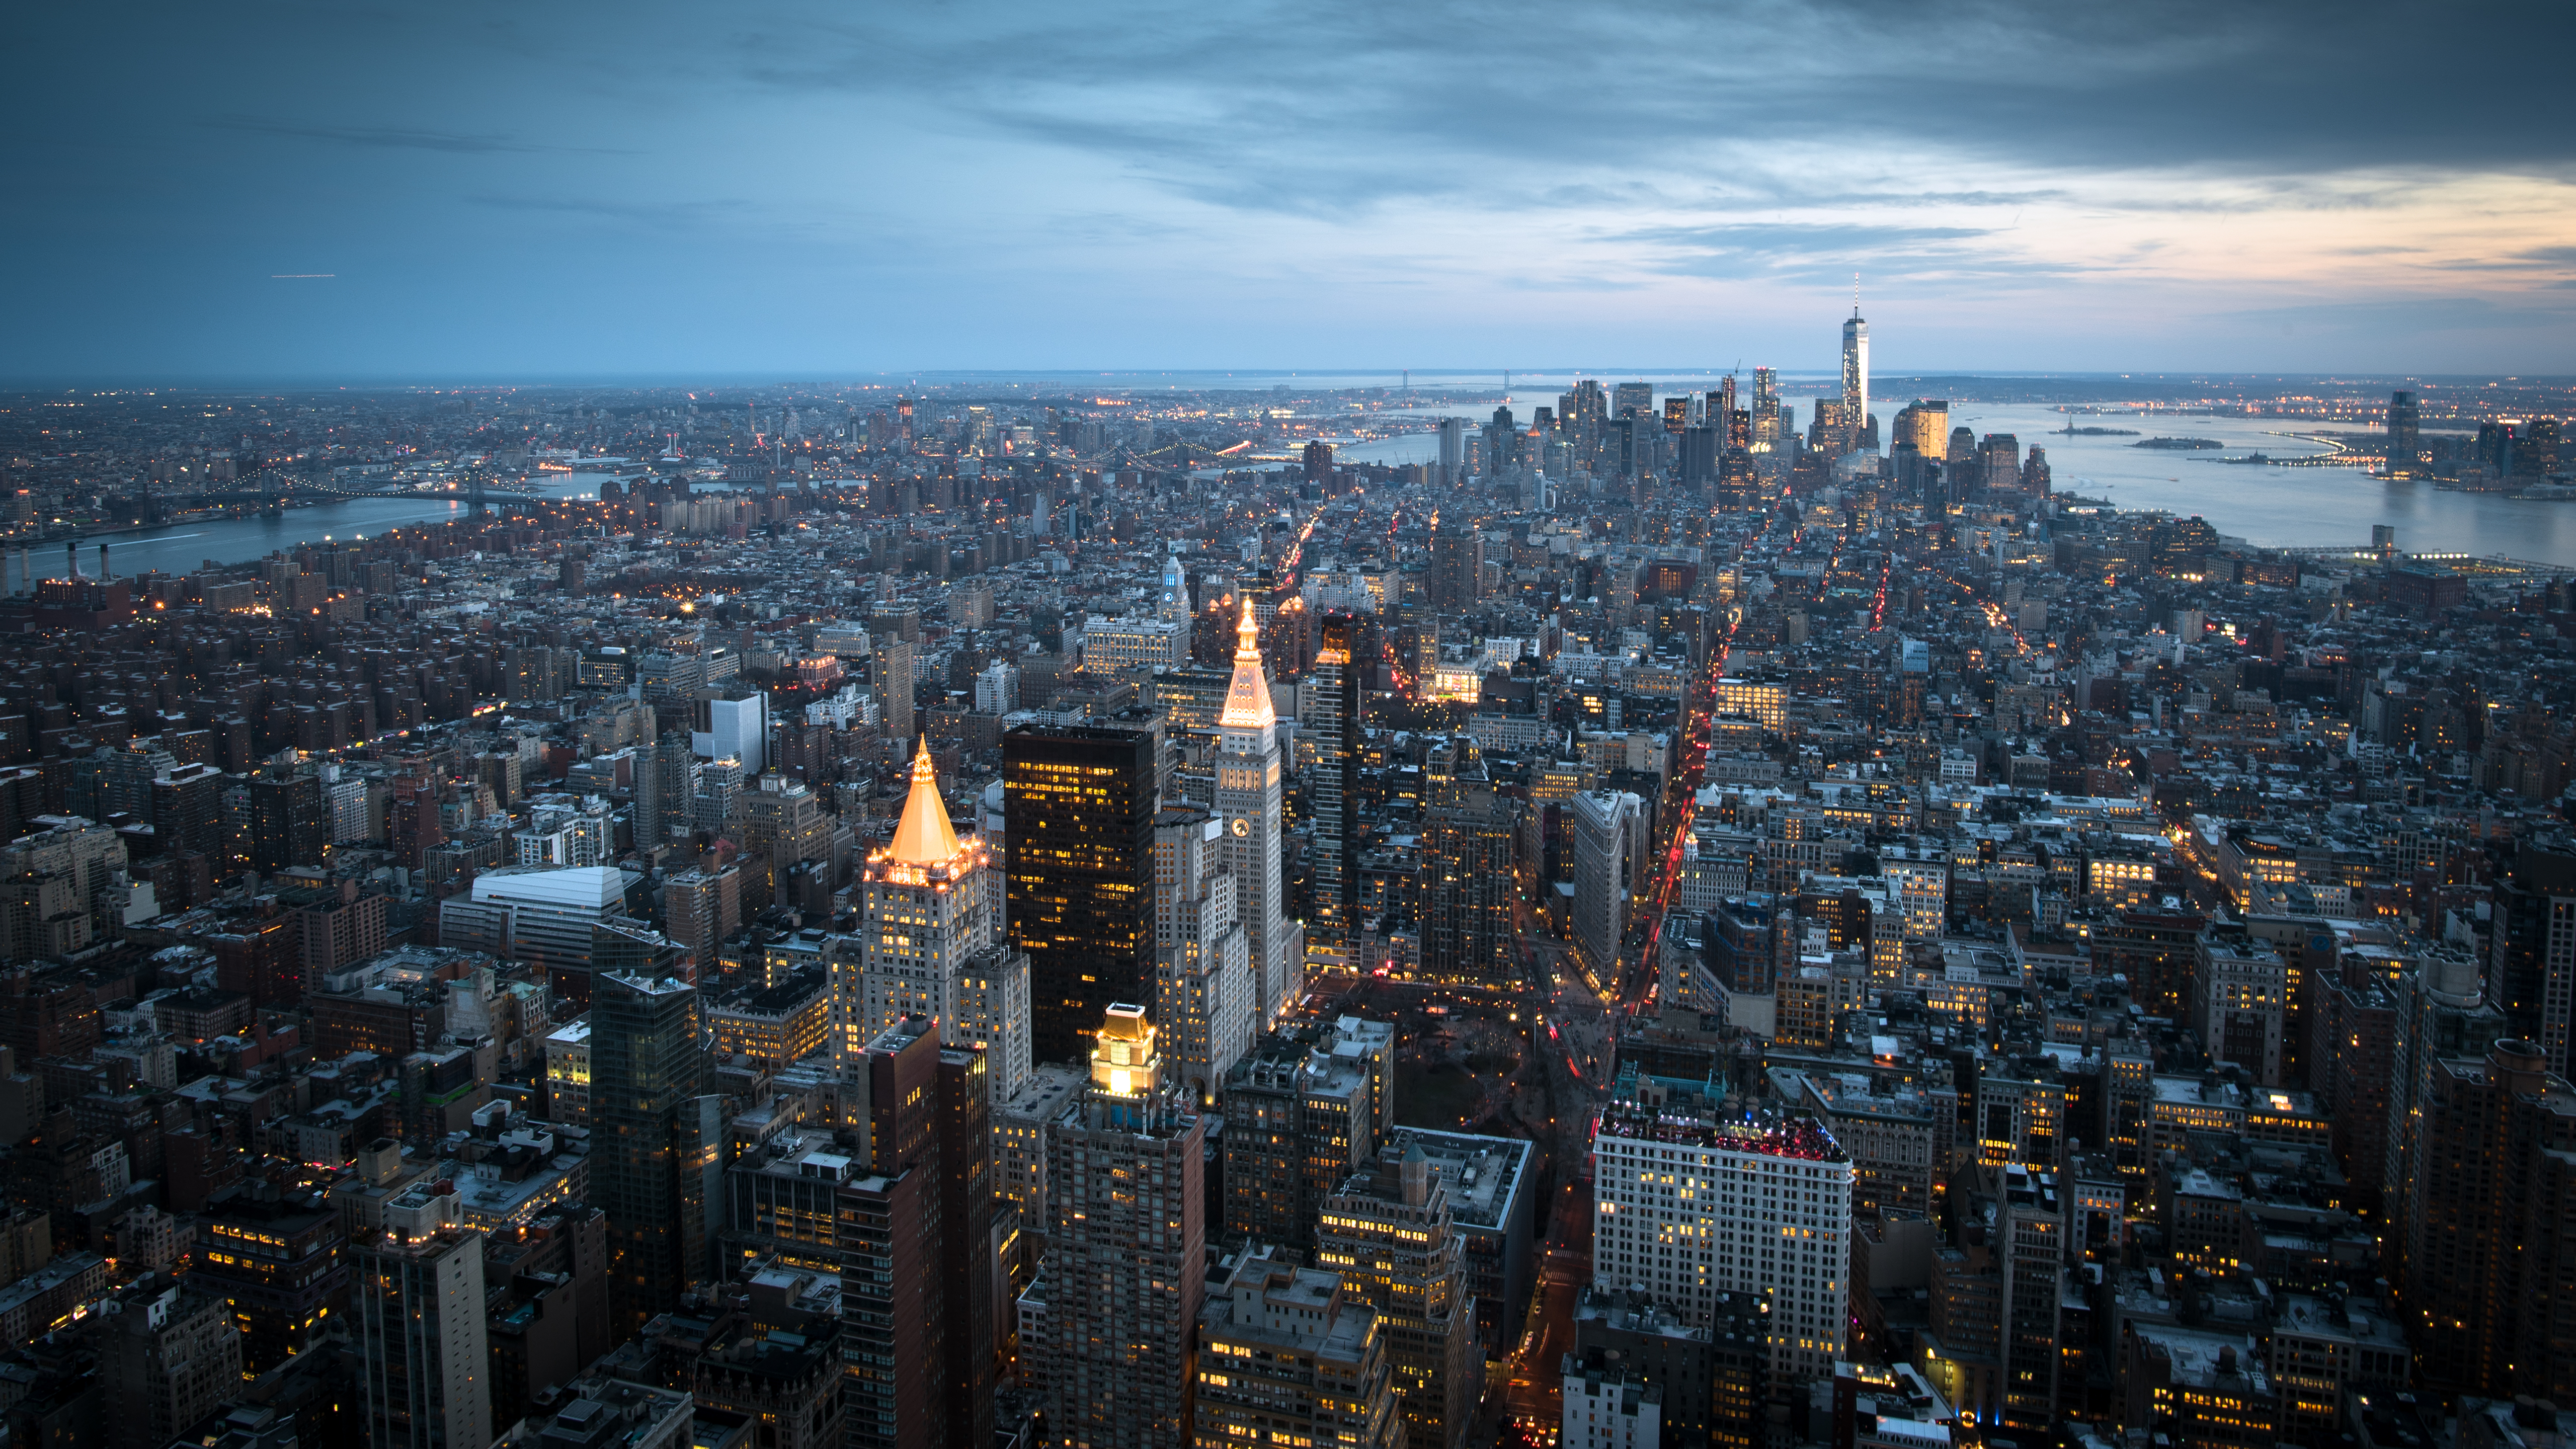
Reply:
x=2270 y=507
x=186 y=547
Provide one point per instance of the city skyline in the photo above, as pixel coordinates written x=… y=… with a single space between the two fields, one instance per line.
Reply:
x=511 y=196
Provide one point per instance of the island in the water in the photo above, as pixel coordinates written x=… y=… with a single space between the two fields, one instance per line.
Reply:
x=2099 y=433
x=2179 y=445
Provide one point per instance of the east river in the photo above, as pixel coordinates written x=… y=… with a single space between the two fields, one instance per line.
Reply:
x=186 y=547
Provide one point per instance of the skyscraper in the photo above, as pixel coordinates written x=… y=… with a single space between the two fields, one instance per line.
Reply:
x=1469 y=848
x=1332 y=784
x=1457 y=565
x=289 y=823
x=2485 y=1296
x=931 y=943
x=1078 y=805
x=1925 y=422
x=1606 y=827
x=645 y=1069
x=2405 y=433
x=1128 y=1249
x=665 y=781
x=915 y=1240
x=1175 y=603
x=893 y=678
x=168 y=1357
x=1299 y=1118
x=423 y=1358
x=1203 y=986
x=1855 y=374
x=1453 y=451
x=1766 y=405
x=1389 y=1233
x=1248 y=801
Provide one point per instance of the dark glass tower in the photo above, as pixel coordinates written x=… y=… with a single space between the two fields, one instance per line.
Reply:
x=644 y=1074
x=1078 y=810
x=1332 y=783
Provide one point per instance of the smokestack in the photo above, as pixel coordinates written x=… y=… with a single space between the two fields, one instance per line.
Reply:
x=71 y=557
x=103 y=574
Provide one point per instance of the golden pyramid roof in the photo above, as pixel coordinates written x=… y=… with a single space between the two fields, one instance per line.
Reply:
x=924 y=837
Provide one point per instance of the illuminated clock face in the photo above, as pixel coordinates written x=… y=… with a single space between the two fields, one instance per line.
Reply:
x=1242 y=827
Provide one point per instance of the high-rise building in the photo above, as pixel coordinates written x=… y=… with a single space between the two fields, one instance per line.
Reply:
x=2030 y=1225
x=1203 y=984
x=1248 y=785
x=1925 y=422
x=168 y=1357
x=892 y=676
x=1999 y=462
x=1078 y=805
x=915 y=1237
x=283 y=1265
x=1470 y=852
x=736 y=729
x=784 y=823
x=1389 y=1232
x=931 y=943
x=1289 y=1354
x=2483 y=1292
x=1689 y=1208
x=645 y=1073
x=1855 y=397
x=1766 y=405
x=1127 y=1259
x=1331 y=770
x=423 y=1358
x=2405 y=432
x=1318 y=460
x=664 y=785
x=1606 y=830
x=1632 y=400
x=1457 y=565
x=289 y=823
x=1453 y=452
x=2534 y=944
x=1174 y=607
x=1299 y=1119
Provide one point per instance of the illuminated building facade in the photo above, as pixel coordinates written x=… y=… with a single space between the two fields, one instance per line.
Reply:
x=1248 y=788
x=1690 y=1208
x=932 y=943
x=1127 y=1257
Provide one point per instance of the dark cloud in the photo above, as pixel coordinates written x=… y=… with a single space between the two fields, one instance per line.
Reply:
x=1300 y=107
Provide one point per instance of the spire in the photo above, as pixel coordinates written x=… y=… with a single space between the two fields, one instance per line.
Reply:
x=924 y=836
x=1247 y=699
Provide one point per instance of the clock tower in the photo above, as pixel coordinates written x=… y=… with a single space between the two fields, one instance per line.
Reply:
x=1247 y=800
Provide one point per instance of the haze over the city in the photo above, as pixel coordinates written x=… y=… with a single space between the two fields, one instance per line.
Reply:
x=473 y=191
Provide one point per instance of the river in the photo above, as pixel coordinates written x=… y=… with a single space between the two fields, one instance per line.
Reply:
x=187 y=547
x=2274 y=507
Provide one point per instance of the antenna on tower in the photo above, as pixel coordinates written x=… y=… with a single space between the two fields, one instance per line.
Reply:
x=1855 y=294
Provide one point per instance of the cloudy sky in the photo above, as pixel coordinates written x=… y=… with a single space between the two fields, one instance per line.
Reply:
x=482 y=191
